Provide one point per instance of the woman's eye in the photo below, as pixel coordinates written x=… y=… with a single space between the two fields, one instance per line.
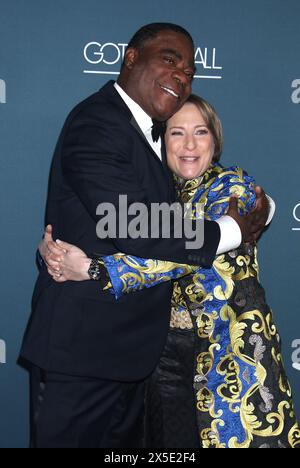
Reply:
x=176 y=134
x=202 y=132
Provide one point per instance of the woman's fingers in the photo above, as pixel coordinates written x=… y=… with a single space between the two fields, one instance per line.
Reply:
x=53 y=265
x=60 y=279
x=48 y=234
x=53 y=258
x=54 y=249
x=53 y=272
x=56 y=276
x=54 y=253
x=64 y=245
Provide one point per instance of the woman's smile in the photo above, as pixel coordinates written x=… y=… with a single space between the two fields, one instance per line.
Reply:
x=190 y=143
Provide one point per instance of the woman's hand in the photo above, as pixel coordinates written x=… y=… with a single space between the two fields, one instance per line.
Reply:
x=67 y=262
x=43 y=246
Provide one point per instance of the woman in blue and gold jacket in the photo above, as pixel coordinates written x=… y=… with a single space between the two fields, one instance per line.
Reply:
x=220 y=382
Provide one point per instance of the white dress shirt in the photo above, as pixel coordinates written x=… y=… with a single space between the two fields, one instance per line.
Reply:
x=231 y=236
x=143 y=120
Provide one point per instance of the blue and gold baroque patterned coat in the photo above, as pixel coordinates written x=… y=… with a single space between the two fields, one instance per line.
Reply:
x=243 y=398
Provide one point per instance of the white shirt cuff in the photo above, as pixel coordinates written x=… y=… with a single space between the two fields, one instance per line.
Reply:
x=231 y=235
x=272 y=210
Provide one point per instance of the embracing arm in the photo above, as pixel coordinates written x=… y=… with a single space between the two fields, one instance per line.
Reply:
x=120 y=274
x=96 y=160
x=232 y=182
x=129 y=274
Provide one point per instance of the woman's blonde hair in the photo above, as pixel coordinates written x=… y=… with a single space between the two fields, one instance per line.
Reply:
x=212 y=121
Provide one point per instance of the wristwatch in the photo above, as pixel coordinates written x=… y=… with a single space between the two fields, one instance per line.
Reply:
x=95 y=269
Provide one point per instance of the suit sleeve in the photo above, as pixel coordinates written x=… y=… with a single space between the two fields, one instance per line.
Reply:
x=97 y=164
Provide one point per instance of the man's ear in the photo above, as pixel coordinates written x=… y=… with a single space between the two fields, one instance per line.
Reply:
x=131 y=57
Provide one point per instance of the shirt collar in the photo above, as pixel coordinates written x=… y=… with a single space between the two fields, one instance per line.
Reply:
x=143 y=120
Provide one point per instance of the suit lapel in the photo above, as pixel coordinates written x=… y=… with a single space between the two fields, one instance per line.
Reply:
x=168 y=171
x=112 y=93
x=138 y=129
x=163 y=161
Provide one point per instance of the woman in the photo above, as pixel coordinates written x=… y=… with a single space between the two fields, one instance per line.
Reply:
x=220 y=382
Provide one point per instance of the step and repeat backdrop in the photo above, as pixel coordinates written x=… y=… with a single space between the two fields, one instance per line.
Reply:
x=54 y=54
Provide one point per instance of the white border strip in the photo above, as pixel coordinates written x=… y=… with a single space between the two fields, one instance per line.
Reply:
x=94 y=72
x=91 y=72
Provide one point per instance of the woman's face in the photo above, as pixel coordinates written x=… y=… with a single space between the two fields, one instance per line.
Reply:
x=190 y=144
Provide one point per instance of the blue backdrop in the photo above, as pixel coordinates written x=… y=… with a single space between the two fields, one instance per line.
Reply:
x=54 y=54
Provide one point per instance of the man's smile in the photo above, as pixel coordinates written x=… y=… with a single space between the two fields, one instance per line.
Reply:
x=170 y=91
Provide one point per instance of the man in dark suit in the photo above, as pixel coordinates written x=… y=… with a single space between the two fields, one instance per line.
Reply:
x=90 y=355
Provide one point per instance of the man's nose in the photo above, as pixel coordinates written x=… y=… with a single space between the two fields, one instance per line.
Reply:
x=181 y=78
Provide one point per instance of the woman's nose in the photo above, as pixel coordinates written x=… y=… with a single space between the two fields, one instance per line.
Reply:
x=190 y=143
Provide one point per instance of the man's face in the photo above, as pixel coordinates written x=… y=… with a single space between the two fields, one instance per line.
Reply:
x=161 y=74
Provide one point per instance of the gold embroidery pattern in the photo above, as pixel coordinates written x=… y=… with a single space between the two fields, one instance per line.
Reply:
x=239 y=372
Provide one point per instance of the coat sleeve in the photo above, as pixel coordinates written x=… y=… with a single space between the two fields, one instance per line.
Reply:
x=232 y=181
x=129 y=274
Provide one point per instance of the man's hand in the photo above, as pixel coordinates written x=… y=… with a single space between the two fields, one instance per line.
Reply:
x=67 y=262
x=261 y=212
x=253 y=225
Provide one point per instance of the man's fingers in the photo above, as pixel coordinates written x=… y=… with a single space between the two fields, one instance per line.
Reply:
x=260 y=193
x=252 y=225
x=258 y=190
x=233 y=206
x=233 y=202
x=261 y=198
x=259 y=215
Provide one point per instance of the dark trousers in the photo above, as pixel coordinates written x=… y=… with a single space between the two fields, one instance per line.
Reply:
x=171 y=420
x=74 y=412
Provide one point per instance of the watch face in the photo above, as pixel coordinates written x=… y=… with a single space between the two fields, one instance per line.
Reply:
x=94 y=271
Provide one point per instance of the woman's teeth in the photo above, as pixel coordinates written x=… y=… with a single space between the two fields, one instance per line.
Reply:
x=189 y=159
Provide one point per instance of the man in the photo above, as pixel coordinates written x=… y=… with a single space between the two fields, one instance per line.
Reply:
x=91 y=354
